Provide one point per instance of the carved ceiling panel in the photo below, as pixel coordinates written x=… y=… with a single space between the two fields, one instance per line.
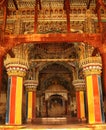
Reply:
x=65 y=50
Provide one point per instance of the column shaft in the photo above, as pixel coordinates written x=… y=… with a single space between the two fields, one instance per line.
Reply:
x=46 y=102
x=66 y=107
x=103 y=55
x=31 y=110
x=14 y=100
x=94 y=98
x=80 y=105
x=29 y=116
x=34 y=105
x=104 y=71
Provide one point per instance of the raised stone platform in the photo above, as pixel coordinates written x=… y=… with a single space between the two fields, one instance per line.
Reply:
x=54 y=120
x=50 y=120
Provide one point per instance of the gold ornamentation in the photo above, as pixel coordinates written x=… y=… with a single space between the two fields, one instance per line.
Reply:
x=16 y=73
x=79 y=84
x=91 y=65
x=31 y=85
x=16 y=66
x=91 y=72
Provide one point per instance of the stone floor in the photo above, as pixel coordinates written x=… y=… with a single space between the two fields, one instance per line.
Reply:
x=55 y=124
x=55 y=127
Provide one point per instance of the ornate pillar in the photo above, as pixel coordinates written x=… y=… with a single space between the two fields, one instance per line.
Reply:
x=16 y=69
x=103 y=55
x=79 y=85
x=92 y=70
x=31 y=86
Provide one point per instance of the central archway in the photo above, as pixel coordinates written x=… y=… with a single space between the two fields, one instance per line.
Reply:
x=56 y=106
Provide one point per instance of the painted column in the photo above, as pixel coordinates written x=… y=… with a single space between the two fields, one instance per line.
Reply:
x=79 y=85
x=103 y=55
x=102 y=50
x=92 y=70
x=31 y=99
x=16 y=69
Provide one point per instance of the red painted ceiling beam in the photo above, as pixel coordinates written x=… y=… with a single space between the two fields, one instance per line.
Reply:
x=13 y=40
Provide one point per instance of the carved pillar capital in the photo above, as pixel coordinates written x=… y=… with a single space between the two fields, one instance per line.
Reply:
x=91 y=65
x=31 y=85
x=79 y=84
x=16 y=66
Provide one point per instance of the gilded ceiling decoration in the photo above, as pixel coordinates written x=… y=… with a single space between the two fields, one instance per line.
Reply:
x=22 y=19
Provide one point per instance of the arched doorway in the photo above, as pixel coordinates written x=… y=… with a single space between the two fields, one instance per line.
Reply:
x=56 y=106
x=55 y=90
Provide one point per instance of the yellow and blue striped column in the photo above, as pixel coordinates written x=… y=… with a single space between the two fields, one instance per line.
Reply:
x=79 y=85
x=16 y=71
x=30 y=99
x=92 y=69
